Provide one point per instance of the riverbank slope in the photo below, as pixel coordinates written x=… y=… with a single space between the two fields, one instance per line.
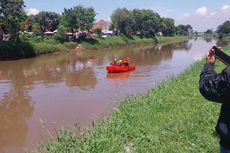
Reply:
x=172 y=117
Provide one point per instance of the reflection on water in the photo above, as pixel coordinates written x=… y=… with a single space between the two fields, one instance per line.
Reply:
x=15 y=109
x=118 y=76
x=154 y=55
x=223 y=42
x=69 y=88
x=208 y=38
x=83 y=78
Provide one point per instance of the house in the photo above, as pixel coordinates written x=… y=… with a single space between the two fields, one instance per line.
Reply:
x=101 y=24
x=50 y=32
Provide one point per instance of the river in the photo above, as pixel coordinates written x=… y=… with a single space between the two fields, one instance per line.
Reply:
x=38 y=96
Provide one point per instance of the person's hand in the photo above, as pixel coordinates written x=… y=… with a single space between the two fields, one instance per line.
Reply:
x=210 y=57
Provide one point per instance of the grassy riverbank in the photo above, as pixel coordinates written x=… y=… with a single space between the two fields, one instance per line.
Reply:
x=173 y=117
x=172 y=39
x=124 y=40
x=26 y=49
x=36 y=46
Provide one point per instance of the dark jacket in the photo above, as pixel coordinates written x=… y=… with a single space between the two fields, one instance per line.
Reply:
x=216 y=87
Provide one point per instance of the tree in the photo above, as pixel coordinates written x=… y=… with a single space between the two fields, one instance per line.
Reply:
x=37 y=29
x=1 y=33
x=167 y=27
x=209 y=31
x=28 y=24
x=11 y=16
x=189 y=29
x=98 y=31
x=145 y=22
x=47 y=20
x=184 y=29
x=224 y=28
x=138 y=20
x=79 y=18
x=150 y=22
x=122 y=20
x=181 y=30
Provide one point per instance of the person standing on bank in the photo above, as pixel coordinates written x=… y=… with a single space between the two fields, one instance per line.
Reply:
x=216 y=87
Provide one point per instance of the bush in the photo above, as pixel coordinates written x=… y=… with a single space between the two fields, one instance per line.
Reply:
x=44 y=47
x=70 y=45
x=16 y=49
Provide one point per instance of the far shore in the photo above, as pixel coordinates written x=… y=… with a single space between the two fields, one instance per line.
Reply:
x=13 y=50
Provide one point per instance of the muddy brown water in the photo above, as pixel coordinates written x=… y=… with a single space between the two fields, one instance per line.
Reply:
x=39 y=96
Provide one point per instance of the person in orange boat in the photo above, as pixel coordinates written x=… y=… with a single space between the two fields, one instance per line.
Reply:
x=119 y=63
x=125 y=61
x=114 y=62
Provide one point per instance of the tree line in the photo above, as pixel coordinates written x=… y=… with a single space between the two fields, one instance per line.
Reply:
x=13 y=20
x=144 y=22
x=222 y=29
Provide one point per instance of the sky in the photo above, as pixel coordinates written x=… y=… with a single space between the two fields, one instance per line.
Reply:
x=200 y=14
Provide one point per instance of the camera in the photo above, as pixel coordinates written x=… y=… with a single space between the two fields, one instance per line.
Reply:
x=222 y=56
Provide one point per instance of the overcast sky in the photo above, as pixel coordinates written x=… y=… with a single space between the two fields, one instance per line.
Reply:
x=201 y=14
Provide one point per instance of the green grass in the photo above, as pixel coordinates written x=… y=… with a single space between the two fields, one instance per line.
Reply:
x=16 y=49
x=170 y=39
x=124 y=40
x=114 y=41
x=25 y=49
x=172 y=117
